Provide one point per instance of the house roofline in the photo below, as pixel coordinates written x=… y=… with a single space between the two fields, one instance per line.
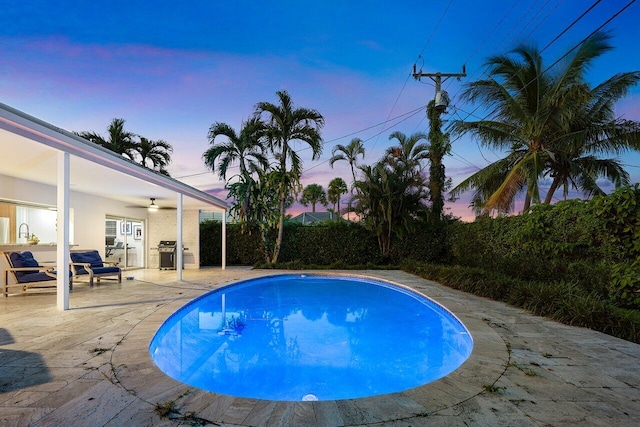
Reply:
x=30 y=127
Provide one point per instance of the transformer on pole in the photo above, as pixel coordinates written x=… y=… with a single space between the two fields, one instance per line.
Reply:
x=441 y=97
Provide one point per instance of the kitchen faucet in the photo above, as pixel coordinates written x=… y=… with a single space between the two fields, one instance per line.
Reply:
x=23 y=233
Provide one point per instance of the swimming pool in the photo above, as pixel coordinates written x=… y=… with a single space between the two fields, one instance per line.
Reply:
x=299 y=337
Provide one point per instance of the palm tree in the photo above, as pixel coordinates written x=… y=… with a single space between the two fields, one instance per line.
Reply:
x=285 y=124
x=119 y=141
x=546 y=119
x=595 y=130
x=388 y=199
x=314 y=194
x=156 y=154
x=348 y=153
x=337 y=187
x=408 y=155
x=246 y=149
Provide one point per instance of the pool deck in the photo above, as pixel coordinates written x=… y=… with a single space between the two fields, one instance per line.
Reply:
x=90 y=366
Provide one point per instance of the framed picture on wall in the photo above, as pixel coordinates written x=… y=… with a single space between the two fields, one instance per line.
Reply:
x=137 y=232
x=125 y=228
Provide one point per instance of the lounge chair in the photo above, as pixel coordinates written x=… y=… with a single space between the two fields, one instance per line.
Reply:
x=27 y=274
x=90 y=263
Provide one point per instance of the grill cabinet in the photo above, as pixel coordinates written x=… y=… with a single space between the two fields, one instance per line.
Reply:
x=167 y=254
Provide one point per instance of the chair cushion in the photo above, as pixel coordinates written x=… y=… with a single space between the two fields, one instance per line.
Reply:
x=21 y=260
x=106 y=270
x=90 y=257
x=55 y=272
x=80 y=270
x=34 y=277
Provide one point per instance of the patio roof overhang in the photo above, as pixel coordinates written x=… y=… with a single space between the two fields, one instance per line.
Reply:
x=30 y=148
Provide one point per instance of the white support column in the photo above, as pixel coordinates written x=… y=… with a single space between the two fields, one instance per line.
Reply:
x=179 y=244
x=224 y=239
x=62 y=255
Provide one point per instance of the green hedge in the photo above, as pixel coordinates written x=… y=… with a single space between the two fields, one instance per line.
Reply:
x=591 y=243
x=605 y=229
x=242 y=248
x=328 y=243
x=561 y=301
x=537 y=245
x=321 y=244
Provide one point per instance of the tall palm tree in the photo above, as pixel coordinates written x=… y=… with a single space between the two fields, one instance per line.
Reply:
x=118 y=140
x=337 y=187
x=348 y=153
x=154 y=154
x=543 y=117
x=244 y=148
x=595 y=130
x=314 y=194
x=284 y=125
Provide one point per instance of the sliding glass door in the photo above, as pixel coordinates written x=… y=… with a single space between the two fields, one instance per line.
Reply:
x=124 y=241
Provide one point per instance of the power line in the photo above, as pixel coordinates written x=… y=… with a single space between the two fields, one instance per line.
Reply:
x=516 y=25
x=406 y=80
x=409 y=114
x=370 y=138
x=590 y=34
x=574 y=47
x=555 y=39
x=575 y=21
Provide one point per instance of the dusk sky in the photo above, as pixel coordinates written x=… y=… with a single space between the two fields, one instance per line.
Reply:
x=172 y=69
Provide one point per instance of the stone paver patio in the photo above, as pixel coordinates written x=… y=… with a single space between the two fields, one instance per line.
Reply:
x=90 y=366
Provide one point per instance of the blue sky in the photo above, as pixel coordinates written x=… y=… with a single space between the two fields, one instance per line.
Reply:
x=171 y=70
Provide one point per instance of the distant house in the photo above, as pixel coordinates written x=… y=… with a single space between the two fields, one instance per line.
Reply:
x=308 y=218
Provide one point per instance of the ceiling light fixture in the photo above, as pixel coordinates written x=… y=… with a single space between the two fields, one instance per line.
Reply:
x=153 y=207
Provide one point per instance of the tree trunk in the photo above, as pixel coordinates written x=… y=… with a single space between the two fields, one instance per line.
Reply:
x=283 y=201
x=276 y=249
x=527 y=201
x=265 y=247
x=554 y=186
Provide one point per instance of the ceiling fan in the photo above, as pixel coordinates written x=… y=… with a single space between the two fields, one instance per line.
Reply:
x=153 y=206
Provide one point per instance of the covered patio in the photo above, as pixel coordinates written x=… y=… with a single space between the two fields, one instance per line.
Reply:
x=45 y=166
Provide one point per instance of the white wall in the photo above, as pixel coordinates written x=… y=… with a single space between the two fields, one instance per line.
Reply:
x=90 y=213
x=162 y=226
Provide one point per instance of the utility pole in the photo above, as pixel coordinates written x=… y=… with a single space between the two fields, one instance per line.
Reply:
x=439 y=144
x=441 y=97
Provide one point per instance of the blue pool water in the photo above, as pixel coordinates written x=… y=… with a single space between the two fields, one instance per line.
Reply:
x=310 y=337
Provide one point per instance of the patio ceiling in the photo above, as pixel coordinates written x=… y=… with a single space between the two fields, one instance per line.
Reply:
x=30 y=150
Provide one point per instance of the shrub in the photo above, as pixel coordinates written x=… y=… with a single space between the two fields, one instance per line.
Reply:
x=562 y=301
x=624 y=288
x=324 y=244
x=619 y=214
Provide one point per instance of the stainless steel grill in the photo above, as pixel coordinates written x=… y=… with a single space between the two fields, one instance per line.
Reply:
x=167 y=252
